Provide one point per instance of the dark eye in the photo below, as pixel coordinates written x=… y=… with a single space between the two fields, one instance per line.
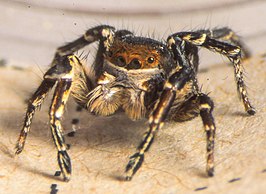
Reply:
x=134 y=64
x=150 y=60
x=121 y=61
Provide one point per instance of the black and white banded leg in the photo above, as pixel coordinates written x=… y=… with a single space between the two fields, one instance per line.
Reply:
x=231 y=51
x=61 y=75
x=34 y=103
x=174 y=85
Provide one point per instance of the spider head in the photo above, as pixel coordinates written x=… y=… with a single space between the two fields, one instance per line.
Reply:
x=133 y=52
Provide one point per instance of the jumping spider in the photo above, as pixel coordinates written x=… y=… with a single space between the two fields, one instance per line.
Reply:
x=141 y=76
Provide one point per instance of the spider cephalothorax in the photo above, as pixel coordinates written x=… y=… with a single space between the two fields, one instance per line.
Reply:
x=141 y=76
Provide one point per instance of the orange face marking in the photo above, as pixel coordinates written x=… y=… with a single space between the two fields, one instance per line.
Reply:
x=133 y=56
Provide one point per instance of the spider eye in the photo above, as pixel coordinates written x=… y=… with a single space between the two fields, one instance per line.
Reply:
x=134 y=64
x=121 y=61
x=151 y=60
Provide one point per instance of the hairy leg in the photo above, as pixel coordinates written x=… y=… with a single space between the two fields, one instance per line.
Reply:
x=199 y=104
x=182 y=78
x=34 y=103
x=231 y=51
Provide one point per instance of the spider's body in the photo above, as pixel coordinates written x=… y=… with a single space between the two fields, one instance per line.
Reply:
x=141 y=76
x=132 y=76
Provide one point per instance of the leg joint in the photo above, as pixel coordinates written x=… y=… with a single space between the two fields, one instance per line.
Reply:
x=205 y=103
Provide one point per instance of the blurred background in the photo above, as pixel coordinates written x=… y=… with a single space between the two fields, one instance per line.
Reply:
x=31 y=30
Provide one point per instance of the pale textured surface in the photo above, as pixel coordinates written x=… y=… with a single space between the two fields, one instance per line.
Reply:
x=101 y=147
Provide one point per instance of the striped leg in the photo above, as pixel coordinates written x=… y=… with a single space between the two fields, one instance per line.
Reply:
x=225 y=34
x=231 y=51
x=65 y=72
x=176 y=82
x=103 y=32
x=60 y=98
x=206 y=107
x=155 y=122
x=34 y=103
x=199 y=104
x=67 y=69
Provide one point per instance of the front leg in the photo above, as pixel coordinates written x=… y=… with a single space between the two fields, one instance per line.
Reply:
x=176 y=82
x=103 y=32
x=155 y=122
x=64 y=73
x=61 y=74
x=61 y=95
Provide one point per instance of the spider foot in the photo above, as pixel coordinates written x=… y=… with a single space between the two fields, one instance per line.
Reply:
x=251 y=111
x=133 y=165
x=210 y=171
x=65 y=164
x=210 y=167
x=20 y=144
x=19 y=148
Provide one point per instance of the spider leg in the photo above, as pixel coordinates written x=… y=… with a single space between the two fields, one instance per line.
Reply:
x=176 y=82
x=206 y=108
x=231 y=51
x=61 y=95
x=34 y=103
x=199 y=104
x=105 y=35
x=191 y=51
x=227 y=35
x=103 y=32
x=155 y=122
x=66 y=74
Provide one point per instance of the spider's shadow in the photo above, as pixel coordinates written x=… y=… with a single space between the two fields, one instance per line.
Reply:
x=239 y=114
x=98 y=129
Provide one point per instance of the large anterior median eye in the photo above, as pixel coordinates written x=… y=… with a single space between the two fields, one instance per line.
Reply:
x=134 y=64
x=121 y=62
